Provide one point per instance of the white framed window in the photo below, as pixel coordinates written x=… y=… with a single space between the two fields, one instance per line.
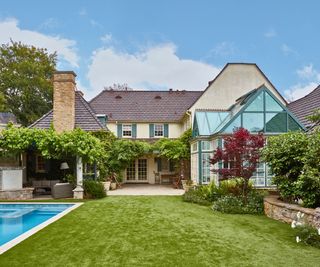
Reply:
x=194 y=166
x=206 y=146
x=127 y=130
x=206 y=167
x=158 y=130
x=194 y=147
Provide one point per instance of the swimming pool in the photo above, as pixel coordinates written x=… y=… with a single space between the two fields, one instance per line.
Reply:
x=19 y=221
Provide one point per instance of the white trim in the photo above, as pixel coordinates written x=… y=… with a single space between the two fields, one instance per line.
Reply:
x=126 y=124
x=154 y=130
x=136 y=178
x=40 y=226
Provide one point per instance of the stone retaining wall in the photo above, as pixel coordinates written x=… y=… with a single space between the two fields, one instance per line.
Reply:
x=281 y=211
x=19 y=194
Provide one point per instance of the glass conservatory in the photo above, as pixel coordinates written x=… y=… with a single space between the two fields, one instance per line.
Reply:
x=258 y=111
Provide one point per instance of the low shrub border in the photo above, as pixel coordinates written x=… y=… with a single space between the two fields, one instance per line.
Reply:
x=281 y=211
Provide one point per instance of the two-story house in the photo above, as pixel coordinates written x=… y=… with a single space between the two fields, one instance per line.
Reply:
x=239 y=96
x=147 y=116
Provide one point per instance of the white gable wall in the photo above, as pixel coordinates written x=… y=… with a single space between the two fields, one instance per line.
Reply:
x=233 y=82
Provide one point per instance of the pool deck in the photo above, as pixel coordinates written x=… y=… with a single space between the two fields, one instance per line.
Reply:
x=146 y=190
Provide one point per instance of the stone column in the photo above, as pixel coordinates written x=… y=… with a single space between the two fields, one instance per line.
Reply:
x=78 y=191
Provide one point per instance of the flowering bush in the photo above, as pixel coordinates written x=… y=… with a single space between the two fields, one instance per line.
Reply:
x=305 y=233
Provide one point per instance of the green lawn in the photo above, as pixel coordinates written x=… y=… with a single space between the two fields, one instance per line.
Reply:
x=160 y=231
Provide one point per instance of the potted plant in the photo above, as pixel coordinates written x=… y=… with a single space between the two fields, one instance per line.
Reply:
x=106 y=183
x=187 y=184
x=116 y=180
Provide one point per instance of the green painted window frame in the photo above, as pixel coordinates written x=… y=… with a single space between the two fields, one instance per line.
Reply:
x=246 y=105
x=119 y=130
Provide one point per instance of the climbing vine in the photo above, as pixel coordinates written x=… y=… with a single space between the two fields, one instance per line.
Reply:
x=52 y=144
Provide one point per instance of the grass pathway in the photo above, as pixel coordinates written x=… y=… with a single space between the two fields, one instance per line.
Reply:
x=160 y=231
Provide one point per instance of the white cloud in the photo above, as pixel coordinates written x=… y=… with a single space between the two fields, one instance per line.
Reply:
x=223 y=49
x=95 y=23
x=155 y=67
x=287 y=50
x=9 y=29
x=311 y=79
x=49 y=23
x=309 y=73
x=107 y=38
x=299 y=90
x=270 y=33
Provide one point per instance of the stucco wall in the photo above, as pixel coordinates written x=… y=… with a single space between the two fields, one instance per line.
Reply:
x=235 y=81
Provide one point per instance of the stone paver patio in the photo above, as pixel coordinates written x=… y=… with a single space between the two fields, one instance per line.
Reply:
x=146 y=190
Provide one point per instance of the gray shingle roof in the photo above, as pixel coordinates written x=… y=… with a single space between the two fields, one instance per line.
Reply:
x=304 y=107
x=144 y=106
x=84 y=117
x=6 y=117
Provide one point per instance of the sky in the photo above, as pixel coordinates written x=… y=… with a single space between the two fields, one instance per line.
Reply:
x=179 y=44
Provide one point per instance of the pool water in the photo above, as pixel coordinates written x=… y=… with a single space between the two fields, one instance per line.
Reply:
x=16 y=219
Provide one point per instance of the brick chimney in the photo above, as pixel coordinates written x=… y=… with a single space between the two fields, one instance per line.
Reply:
x=64 y=100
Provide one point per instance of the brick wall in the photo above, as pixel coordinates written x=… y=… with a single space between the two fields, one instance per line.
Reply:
x=64 y=101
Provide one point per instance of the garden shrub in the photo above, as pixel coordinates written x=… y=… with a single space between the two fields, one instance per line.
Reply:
x=197 y=195
x=227 y=198
x=229 y=204
x=295 y=162
x=308 y=186
x=93 y=189
x=255 y=202
x=233 y=187
x=308 y=235
x=237 y=205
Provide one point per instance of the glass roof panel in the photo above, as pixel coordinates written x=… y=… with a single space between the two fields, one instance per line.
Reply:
x=209 y=121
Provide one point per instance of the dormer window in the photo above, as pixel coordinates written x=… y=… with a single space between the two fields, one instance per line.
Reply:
x=127 y=130
x=118 y=97
x=102 y=118
x=157 y=97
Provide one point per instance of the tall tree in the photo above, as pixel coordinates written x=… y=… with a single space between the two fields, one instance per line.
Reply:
x=25 y=80
x=240 y=155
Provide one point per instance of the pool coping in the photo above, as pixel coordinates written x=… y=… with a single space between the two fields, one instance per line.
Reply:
x=40 y=226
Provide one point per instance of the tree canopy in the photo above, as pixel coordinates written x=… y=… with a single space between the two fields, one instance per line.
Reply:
x=25 y=81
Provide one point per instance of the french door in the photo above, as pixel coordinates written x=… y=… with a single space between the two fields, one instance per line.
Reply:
x=137 y=171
